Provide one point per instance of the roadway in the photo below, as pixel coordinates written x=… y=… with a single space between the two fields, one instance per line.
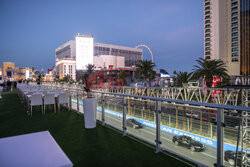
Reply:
x=206 y=157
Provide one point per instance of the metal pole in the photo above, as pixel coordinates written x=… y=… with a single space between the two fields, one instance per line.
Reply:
x=77 y=102
x=124 y=128
x=169 y=120
x=211 y=127
x=103 y=110
x=70 y=102
x=237 y=145
x=220 y=135
x=158 y=127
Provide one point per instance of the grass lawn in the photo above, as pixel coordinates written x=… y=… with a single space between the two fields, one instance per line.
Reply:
x=101 y=146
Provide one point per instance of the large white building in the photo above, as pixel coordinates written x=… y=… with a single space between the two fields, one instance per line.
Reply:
x=76 y=54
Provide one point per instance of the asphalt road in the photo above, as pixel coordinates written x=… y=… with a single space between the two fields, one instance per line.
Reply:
x=206 y=157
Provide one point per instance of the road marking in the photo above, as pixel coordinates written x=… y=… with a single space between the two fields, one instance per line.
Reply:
x=208 y=155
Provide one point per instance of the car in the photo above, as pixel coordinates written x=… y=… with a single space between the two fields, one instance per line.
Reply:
x=229 y=156
x=188 y=142
x=194 y=115
x=133 y=123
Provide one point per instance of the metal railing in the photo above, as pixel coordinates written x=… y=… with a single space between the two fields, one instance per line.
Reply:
x=228 y=96
x=120 y=116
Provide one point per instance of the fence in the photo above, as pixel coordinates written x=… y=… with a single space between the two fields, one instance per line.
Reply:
x=162 y=120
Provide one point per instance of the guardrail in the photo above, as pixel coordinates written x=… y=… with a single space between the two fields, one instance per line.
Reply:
x=122 y=117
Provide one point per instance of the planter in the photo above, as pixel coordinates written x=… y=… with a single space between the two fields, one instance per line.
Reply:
x=89 y=108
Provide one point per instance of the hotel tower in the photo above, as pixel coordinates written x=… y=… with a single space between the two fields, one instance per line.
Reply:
x=227 y=34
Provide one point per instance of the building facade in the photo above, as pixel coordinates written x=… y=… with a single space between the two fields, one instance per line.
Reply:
x=131 y=55
x=109 y=61
x=76 y=54
x=22 y=73
x=227 y=34
x=10 y=72
x=8 y=69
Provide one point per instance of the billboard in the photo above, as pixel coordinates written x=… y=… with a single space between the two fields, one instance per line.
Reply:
x=84 y=51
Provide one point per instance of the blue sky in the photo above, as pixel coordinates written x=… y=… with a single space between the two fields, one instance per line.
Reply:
x=31 y=29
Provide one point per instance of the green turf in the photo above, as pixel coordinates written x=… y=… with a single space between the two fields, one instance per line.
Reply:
x=101 y=146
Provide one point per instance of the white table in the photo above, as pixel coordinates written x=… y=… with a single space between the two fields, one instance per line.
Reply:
x=32 y=150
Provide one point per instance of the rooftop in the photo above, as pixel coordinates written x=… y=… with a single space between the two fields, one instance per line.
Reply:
x=101 y=146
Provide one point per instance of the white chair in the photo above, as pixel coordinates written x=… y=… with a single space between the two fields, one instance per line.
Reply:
x=63 y=98
x=36 y=100
x=49 y=99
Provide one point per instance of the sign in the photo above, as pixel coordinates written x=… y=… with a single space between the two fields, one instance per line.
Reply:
x=240 y=80
x=111 y=67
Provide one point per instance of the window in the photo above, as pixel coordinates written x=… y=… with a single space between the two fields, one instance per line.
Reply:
x=234 y=4
x=207 y=21
x=234 y=49
x=207 y=48
x=207 y=26
x=234 y=29
x=207 y=12
x=64 y=70
x=207 y=17
x=70 y=69
x=207 y=39
x=234 y=14
x=207 y=30
x=234 y=39
x=234 y=24
x=234 y=54
x=235 y=44
x=234 y=34
x=234 y=9
x=207 y=57
x=207 y=44
x=207 y=53
x=207 y=35
x=234 y=59
x=234 y=19
x=207 y=8
x=207 y=3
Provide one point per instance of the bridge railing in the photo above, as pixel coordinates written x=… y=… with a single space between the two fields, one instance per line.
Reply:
x=162 y=120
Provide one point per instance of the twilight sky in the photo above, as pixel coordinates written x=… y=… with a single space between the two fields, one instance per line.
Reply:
x=31 y=29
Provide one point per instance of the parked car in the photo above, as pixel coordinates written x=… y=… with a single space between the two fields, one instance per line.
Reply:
x=133 y=123
x=188 y=142
x=229 y=156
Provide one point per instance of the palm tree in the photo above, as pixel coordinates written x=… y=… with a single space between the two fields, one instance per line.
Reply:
x=66 y=78
x=123 y=76
x=181 y=77
x=208 y=69
x=145 y=70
